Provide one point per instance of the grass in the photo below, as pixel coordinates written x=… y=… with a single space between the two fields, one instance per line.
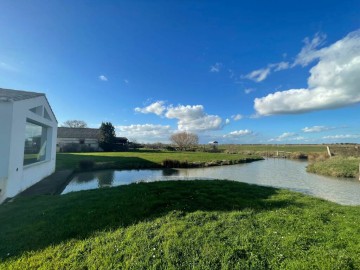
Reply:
x=179 y=225
x=303 y=148
x=336 y=166
x=141 y=159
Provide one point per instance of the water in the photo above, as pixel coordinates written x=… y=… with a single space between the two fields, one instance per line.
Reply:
x=281 y=173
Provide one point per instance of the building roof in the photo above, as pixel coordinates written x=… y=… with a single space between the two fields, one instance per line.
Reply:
x=84 y=133
x=80 y=133
x=8 y=95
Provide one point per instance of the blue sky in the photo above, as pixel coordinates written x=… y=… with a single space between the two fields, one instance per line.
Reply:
x=232 y=71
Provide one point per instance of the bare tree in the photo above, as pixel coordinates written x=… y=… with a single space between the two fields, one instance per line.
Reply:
x=75 y=124
x=184 y=139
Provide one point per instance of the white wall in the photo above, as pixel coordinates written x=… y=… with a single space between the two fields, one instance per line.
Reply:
x=21 y=177
x=5 y=135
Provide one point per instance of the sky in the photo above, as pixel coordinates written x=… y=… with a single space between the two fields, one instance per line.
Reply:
x=269 y=72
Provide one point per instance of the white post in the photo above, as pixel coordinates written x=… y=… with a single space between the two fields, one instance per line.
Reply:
x=359 y=171
x=328 y=150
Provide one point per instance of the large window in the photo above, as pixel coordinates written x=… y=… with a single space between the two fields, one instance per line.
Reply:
x=35 y=143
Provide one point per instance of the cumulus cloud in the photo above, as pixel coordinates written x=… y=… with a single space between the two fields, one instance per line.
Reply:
x=189 y=117
x=157 y=108
x=194 y=118
x=316 y=129
x=227 y=121
x=238 y=133
x=216 y=67
x=237 y=117
x=146 y=132
x=334 y=81
x=103 y=78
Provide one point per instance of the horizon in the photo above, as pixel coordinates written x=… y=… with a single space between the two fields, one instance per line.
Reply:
x=240 y=73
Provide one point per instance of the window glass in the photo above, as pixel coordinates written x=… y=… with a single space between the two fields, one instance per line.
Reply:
x=35 y=143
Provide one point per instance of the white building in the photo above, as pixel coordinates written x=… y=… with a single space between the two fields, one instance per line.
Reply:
x=28 y=130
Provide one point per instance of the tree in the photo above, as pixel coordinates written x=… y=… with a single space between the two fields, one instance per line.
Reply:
x=75 y=124
x=184 y=139
x=107 y=136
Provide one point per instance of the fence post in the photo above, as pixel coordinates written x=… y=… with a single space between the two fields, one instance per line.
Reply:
x=328 y=150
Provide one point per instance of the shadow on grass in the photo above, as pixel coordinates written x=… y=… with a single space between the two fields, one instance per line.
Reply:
x=71 y=161
x=29 y=224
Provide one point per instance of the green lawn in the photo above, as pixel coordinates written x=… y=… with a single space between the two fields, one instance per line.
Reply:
x=179 y=225
x=141 y=159
x=336 y=166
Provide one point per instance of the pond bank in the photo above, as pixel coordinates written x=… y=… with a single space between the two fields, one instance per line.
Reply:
x=336 y=167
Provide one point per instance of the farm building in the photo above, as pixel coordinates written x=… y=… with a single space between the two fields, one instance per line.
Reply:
x=27 y=140
x=81 y=139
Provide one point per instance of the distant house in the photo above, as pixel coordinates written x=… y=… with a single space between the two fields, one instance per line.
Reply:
x=27 y=140
x=76 y=139
x=82 y=139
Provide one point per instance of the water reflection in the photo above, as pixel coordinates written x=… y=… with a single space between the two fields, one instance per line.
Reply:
x=84 y=177
x=170 y=172
x=105 y=178
x=281 y=173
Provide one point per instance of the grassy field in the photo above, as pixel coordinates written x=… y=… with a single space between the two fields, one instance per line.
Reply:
x=336 y=166
x=179 y=225
x=141 y=159
x=303 y=148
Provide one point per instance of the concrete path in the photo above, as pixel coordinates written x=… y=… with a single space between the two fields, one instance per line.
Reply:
x=53 y=184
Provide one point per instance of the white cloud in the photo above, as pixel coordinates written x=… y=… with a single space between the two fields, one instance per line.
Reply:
x=103 y=78
x=237 y=117
x=334 y=81
x=194 y=118
x=280 y=66
x=227 y=121
x=216 y=67
x=309 y=52
x=259 y=74
x=145 y=133
x=249 y=90
x=315 y=129
x=342 y=136
x=156 y=108
x=238 y=133
x=287 y=136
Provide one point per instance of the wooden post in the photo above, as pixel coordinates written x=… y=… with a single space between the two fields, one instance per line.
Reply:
x=328 y=150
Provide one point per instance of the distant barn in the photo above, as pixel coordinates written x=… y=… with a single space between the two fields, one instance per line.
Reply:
x=82 y=139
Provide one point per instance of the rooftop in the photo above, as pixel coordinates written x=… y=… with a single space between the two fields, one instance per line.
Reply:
x=9 y=95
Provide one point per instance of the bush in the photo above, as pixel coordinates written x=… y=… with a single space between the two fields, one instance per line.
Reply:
x=173 y=163
x=86 y=164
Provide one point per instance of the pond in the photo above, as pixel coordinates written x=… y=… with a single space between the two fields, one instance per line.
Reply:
x=281 y=173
